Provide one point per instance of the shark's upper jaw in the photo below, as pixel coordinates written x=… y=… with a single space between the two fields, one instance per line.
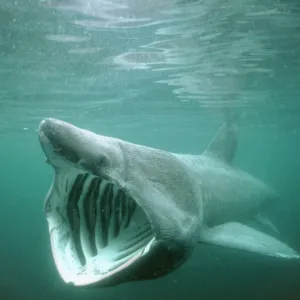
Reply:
x=97 y=229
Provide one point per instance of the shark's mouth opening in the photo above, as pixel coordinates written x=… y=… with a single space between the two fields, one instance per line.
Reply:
x=96 y=228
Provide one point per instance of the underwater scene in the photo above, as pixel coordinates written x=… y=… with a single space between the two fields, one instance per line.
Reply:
x=150 y=149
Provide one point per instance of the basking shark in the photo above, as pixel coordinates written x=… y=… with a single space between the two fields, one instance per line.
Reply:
x=120 y=212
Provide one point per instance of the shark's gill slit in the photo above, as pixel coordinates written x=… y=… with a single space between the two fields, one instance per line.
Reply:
x=74 y=215
x=66 y=185
x=104 y=208
x=107 y=226
x=117 y=220
x=89 y=204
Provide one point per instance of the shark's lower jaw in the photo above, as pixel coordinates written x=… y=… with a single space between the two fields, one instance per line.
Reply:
x=96 y=229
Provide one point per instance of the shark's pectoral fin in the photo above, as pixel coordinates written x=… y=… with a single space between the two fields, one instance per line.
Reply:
x=240 y=236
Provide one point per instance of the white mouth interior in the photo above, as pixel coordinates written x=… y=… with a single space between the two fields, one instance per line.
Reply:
x=96 y=229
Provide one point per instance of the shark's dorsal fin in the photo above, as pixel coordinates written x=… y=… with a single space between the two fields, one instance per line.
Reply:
x=224 y=144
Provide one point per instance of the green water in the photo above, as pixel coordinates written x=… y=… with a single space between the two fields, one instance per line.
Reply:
x=156 y=73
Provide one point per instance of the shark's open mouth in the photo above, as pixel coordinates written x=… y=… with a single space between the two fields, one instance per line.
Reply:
x=96 y=228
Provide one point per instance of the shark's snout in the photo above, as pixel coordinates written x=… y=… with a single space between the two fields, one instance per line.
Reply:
x=49 y=131
x=49 y=128
x=47 y=124
x=59 y=140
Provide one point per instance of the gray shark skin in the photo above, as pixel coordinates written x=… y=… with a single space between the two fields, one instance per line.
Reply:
x=120 y=212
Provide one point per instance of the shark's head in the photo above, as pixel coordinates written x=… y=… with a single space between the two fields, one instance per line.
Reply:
x=116 y=211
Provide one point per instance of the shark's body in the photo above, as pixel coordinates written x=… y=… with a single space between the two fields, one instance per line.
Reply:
x=120 y=212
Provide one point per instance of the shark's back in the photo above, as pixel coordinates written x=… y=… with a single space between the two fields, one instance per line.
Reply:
x=228 y=194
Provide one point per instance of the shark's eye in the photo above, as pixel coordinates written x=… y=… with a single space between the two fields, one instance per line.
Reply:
x=102 y=161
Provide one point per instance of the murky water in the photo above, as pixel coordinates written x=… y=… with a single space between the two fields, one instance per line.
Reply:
x=157 y=73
